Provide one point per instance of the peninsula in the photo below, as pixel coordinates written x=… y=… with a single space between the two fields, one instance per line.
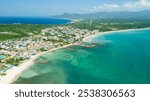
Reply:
x=18 y=55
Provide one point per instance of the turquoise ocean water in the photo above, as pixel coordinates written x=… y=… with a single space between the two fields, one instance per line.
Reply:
x=123 y=58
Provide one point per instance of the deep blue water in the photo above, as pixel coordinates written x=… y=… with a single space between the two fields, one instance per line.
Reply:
x=123 y=58
x=32 y=20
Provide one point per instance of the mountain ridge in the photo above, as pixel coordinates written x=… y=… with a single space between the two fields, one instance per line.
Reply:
x=112 y=15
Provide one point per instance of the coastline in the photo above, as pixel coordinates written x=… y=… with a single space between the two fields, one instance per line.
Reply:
x=89 y=38
x=14 y=73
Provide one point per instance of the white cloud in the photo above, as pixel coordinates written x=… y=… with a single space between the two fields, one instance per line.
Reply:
x=126 y=6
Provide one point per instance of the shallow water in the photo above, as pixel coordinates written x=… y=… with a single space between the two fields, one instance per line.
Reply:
x=2 y=56
x=123 y=58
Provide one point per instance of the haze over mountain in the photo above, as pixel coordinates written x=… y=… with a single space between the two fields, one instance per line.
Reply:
x=111 y=15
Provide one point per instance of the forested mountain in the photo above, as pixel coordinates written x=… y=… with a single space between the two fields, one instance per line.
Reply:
x=111 y=15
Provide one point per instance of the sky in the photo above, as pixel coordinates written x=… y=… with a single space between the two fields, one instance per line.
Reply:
x=56 y=7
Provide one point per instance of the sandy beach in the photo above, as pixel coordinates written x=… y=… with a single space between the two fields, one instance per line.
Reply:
x=13 y=73
x=89 y=38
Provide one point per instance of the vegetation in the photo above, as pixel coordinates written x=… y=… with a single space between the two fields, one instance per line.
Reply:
x=22 y=30
x=3 y=74
x=14 y=61
x=111 y=24
x=19 y=30
x=42 y=49
x=3 y=67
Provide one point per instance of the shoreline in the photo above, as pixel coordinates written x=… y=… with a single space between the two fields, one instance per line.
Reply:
x=14 y=73
x=89 y=38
